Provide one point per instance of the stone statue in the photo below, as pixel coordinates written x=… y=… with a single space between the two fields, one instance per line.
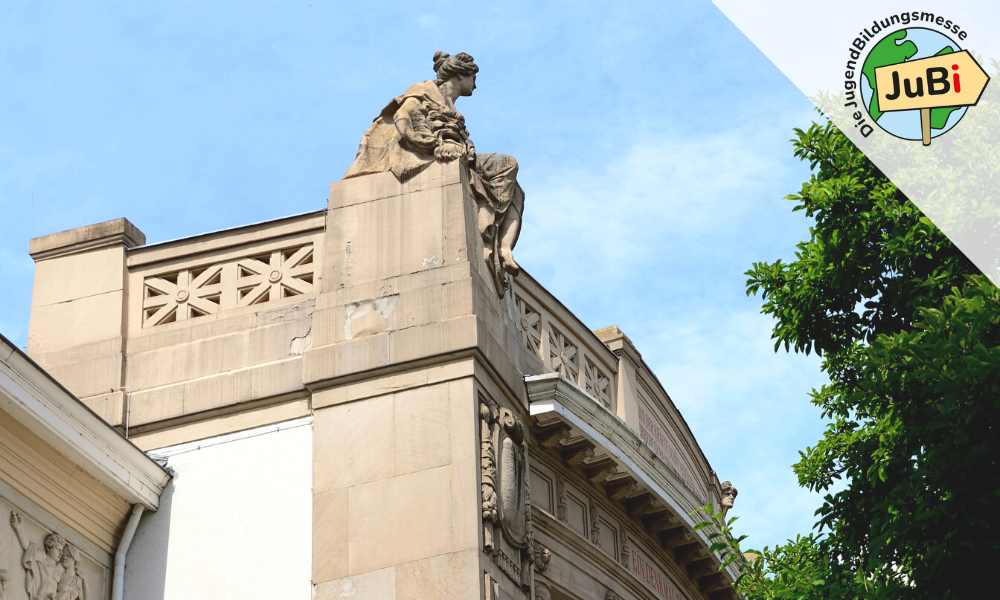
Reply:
x=422 y=127
x=71 y=585
x=728 y=495
x=44 y=568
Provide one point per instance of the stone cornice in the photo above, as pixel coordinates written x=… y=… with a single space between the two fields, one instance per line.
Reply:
x=554 y=400
x=37 y=401
x=117 y=232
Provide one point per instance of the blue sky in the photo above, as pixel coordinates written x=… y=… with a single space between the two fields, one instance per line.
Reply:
x=652 y=139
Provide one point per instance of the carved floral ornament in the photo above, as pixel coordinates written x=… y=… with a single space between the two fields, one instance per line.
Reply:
x=206 y=290
x=506 y=504
x=51 y=570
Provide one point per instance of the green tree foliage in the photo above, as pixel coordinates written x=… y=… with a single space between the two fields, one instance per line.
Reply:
x=909 y=332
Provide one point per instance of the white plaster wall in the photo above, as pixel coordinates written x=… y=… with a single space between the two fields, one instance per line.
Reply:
x=235 y=523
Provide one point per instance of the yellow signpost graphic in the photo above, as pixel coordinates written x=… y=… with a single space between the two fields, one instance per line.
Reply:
x=946 y=80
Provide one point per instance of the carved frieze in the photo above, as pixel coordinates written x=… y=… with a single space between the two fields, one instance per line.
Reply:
x=51 y=569
x=195 y=292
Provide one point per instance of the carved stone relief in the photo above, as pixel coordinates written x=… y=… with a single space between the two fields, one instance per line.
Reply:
x=596 y=383
x=52 y=569
x=4 y=583
x=529 y=323
x=561 y=505
x=623 y=557
x=512 y=481
x=563 y=355
x=196 y=292
x=487 y=416
x=595 y=528
x=541 y=557
x=505 y=494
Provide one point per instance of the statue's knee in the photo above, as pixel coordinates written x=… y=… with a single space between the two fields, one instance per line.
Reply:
x=510 y=163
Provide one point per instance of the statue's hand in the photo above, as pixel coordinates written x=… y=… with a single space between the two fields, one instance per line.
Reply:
x=15 y=520
x=422 y=140
x=449 y=151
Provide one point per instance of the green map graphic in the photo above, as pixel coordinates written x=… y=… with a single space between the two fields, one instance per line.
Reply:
x=888 y=52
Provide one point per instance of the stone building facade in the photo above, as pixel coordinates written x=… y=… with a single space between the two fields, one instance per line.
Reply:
x=353 y=403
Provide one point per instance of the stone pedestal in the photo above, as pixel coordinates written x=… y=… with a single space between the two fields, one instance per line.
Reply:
x=410 y=344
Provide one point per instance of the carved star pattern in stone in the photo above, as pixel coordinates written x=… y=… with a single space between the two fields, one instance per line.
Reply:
x=182 y=295
x=197 y=292
x=596 y=383
x=563 y=356
x=529 y=322
x=285 y=273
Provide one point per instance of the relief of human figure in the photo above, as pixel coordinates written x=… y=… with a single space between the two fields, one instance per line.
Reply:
x=71 y=584
x=44 y=567
x=421 y=127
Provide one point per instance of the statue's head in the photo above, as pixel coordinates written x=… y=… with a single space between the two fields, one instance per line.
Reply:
x=460 y=66
x=70 y=557
x=728 y=494
x=54 y=541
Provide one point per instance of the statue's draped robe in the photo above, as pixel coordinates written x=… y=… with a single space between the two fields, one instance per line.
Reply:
x=71 y=588
x=42 y=573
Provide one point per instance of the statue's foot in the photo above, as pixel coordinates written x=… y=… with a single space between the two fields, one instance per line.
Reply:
x=507 y=260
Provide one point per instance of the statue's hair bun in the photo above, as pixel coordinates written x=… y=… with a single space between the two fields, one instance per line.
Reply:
x=439 y=58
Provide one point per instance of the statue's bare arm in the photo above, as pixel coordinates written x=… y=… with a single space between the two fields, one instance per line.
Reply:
x=402 y=120
x=15 y=523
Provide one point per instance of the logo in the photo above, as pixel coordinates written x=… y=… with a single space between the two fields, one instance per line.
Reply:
x=915 y=83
